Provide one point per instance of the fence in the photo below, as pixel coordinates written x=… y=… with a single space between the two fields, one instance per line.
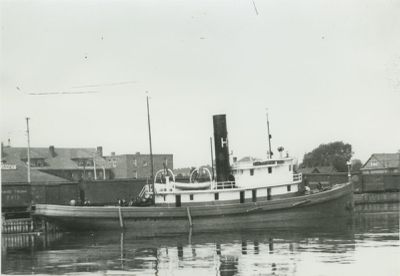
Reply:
x=363 y=183
x=17 y=197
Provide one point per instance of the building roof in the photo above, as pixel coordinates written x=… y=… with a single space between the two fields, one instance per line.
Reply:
x=137 y=154
x=319 y=169
x=306 y=170
x=384 y=160
x=20 y=175
x=62 y=159
x=15 y=170
x=326 y=169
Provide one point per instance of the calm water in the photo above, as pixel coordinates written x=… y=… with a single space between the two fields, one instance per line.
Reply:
x=368 y=246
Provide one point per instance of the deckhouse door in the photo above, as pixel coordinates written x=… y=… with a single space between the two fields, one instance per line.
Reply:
x=178 y=200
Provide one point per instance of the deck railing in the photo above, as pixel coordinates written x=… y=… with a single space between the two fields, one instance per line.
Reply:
x=223 y=185
x=144 y=190
x=297 y=177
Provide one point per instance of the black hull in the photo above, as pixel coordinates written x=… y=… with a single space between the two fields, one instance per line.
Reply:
x=304 y=211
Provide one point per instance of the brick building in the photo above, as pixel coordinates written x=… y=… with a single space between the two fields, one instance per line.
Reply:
x=137 y=165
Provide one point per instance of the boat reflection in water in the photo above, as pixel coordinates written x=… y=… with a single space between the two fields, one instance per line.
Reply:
x=259 y=251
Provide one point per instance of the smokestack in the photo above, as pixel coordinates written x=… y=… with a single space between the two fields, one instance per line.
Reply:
x=52 y=151
x=99 y=151
x=221 y=148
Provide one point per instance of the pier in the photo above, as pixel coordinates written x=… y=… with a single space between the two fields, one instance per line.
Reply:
x=13 y=226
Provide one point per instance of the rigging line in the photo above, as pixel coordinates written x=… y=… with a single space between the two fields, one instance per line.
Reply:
x=56 y=92
x=255 y=7
x=62 y=93
x=105 y=84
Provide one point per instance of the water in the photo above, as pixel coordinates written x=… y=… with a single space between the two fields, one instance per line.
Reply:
x=368 y=246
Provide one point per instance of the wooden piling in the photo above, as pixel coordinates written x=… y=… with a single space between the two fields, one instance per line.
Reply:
x=189 y=217
x=121 y=219
x=11 y=226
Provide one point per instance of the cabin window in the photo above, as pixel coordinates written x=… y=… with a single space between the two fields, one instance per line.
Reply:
x=178 y=200
x=191 y=197
x=269 y=194
x=251 y=171
x=254 y=195
x=289 y=188
x=216 y=196
x=290 y=168
x=269 y=169
x=242 y=197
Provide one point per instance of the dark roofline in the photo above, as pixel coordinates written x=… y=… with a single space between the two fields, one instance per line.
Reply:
x=383 y=167
x=134 y=154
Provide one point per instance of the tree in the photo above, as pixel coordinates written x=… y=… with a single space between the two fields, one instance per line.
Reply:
x=356 y=165
x=334 y=154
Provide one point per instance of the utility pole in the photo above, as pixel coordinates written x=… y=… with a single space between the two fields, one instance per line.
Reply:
x=349 y=170
x=212 y=159
x=151 y=150
x=94 y=167
x=29 y=150
x=269 y=139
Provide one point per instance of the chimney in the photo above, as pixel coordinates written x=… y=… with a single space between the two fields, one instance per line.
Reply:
x=99 y=151
x=52 y=151
x=113 y=153
x=221 y=148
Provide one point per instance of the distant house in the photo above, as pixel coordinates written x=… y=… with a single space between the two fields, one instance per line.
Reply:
x=319 y=169
x=138 y=165
x=53 y=164
x=382 y=163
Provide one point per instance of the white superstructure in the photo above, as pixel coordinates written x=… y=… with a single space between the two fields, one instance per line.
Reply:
x=252 y=179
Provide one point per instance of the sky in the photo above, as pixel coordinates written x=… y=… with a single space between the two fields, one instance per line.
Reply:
x=81 y=70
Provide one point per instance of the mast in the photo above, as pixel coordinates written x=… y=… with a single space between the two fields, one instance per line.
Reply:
x=151 y=149
x=29 y=150
x=269 y=139
x=212 y=159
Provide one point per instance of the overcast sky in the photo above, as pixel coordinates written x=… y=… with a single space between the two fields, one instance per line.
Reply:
x=326 y=70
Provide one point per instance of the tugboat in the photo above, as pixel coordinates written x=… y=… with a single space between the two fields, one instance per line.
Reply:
x=250 y=193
